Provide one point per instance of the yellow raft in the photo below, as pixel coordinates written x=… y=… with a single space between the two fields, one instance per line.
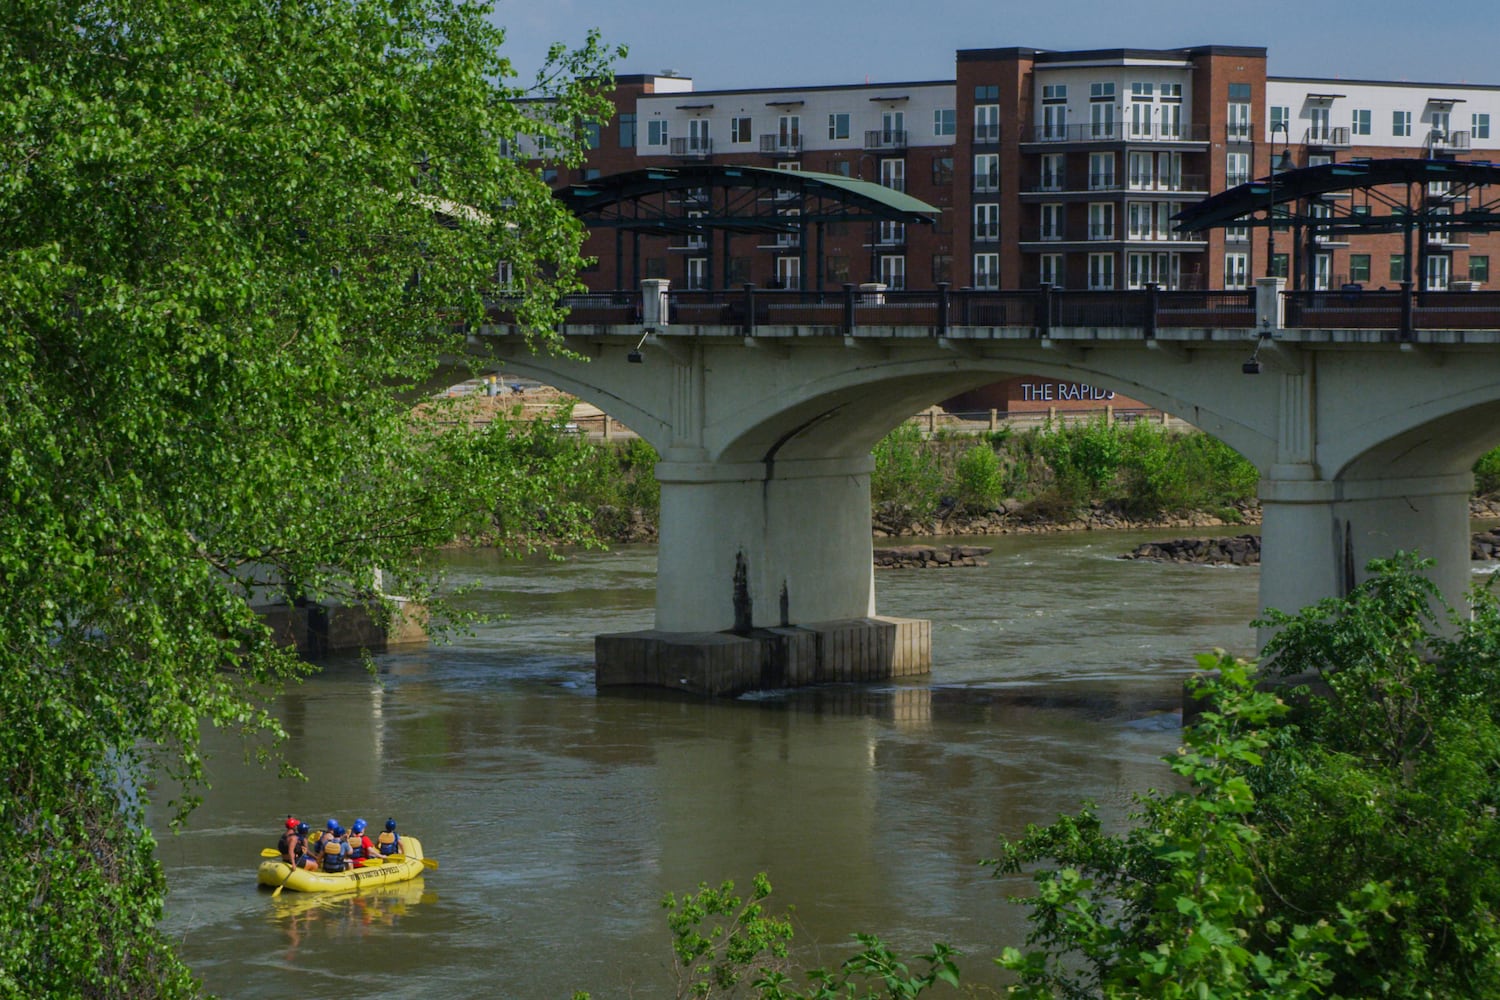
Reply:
x=277 y=872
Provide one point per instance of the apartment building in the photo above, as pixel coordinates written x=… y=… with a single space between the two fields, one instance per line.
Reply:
x=1050 y=167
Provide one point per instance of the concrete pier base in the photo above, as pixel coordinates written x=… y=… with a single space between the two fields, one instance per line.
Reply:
x=728 y=663
x=319 y=629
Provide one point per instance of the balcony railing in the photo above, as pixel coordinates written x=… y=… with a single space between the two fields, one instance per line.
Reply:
x=1239 y=132
x=1440 y=139
x=885 y=139
x=692 y=148
x=781 y=145
x=1328 y=138
x=1405 y=311
x=1179 y=182
x=1119 y=131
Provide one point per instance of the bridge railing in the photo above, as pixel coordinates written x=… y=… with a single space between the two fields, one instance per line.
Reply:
x=1151 y=309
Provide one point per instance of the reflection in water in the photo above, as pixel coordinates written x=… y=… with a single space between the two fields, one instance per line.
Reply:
x=561 y=817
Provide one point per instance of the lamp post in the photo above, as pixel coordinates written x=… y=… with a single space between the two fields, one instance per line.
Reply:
x=1284 y=163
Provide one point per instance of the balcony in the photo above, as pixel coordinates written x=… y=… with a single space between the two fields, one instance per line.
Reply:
x=1105 y=182
x=986 y=233
x=1118 y=131
x=1177 y=184
x=781 y=145
x=885 y=139
x=1440 y=140
x=987 y=134
x=1324 y=137
x=1239 y=132
x=692 y=148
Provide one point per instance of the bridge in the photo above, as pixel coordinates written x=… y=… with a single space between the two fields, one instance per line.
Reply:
x=1363 y=410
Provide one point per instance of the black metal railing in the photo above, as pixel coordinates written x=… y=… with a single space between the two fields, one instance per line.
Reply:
x=853 y=307
x=1118 y=131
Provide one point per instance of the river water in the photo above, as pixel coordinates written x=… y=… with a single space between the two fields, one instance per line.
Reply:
x=561 y=816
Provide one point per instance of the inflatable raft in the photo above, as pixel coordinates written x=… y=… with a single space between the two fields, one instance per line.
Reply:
x=411 y=864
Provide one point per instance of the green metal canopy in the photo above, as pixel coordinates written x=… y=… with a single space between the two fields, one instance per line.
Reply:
x=695 y=198
x=1395 y=196
x=700 y=199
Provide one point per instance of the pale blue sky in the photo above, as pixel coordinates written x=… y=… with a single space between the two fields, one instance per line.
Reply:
x=763 y=43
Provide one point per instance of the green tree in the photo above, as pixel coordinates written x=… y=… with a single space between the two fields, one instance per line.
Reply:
x=235 y=241
x=1344 y=844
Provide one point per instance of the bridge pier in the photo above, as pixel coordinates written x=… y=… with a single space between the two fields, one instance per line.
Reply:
x=1318 y=535
x=765 y=578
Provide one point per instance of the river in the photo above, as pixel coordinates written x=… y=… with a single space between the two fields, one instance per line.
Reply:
x=561 y=816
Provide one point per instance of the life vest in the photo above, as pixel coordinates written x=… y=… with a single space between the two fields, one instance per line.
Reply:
x=357 y=842
x=291 y=847
x=333 y=855
x=389 y=843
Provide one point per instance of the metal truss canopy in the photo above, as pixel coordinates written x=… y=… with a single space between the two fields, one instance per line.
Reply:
x=1449 y=196
x=699 y=198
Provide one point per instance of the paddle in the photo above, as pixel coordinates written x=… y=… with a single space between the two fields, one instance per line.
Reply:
x=398 y=858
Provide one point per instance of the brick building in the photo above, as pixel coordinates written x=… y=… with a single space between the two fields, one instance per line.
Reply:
x=1049 y=167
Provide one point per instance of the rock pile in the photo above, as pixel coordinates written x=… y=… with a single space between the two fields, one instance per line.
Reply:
x=1237 y=550
x=1485 y=545
x=930 y=556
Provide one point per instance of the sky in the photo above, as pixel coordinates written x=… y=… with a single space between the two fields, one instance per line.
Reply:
x=767 y=43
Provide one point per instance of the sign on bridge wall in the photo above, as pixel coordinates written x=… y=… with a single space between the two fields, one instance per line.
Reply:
x=1029 y=394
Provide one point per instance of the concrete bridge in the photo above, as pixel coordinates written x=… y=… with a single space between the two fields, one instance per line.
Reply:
x=1363 y=411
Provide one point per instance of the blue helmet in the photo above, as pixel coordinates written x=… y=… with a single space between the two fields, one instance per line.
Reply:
x=359 y=826
x=301 y=829
x=338 y=831
x=333 y=825
x=390 y=826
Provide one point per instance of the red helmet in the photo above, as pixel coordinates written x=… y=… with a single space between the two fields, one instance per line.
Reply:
x=291 y=822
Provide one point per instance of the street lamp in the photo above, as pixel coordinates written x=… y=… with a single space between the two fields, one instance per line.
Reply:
x=1284 y=163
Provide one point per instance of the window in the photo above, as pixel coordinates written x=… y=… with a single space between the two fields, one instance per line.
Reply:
x=1137 y=270
x=944 y=121
x=549 y=175
x=1050 y=269
x=840 y=167
x=789 y=132
x=1440 y=123
x=1239 y=122
x=1239 y=92
x=591 y=135
x=986 y=270
x=1102 y=120
x=1479 y=267
x=1281 y=265
x=1359 y=268
x=986 y=92
x=1361 y=123
x=697 y=273
x=942 y=171
x=590 y=173
x=942 y=268
x=1101 y=271
x=1171 y=91
x=1400 y=123
x=1236 y=169
x=1138 y=216
x=505 y=277
x=1141 y=171
x=1479 y=125
x=656 y=132
x=740 y=130
x=892 y=233
x=1052 y=221
x=1236 y=270
x=1140 y=91
x=789 y=273
x=893 y=271
x=1438 y=266
x=838 y=125
x=1103 y=91
x=1236 y=234
x=986 y=172
x=1052 y=171
x=893 y=174
x=698 y=140
x=738 y=273
x=699 y=239
x=987 y=222
x=837 y=269
x=1101 y=220
x=1281 y=120
x=1055 y=92
x=1101 y=171
x=1398 y=267
x=987 y=123
x=627 y=130
x=1054 y=121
